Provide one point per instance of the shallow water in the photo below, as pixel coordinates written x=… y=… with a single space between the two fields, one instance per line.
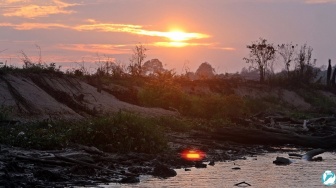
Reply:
x=258 y=171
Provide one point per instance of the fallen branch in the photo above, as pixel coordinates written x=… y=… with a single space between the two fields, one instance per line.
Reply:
x=91 y=150
x=91 y=165
x=58 y=163
x=259 y=136
x=310 y=154
x=295 y=155
x=242 y=183
x=321 y=120
x=83 y=163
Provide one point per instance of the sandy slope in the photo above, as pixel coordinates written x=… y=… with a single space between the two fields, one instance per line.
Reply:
x=289 y=97
x=29 y=97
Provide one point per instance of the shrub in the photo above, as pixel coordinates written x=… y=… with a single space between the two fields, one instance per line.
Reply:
x=121 y=132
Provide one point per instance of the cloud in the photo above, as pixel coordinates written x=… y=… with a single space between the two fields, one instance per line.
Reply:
x=35 y=9
x=177 y=44
x=174 y=38
x=139 y=30
x=99 y=48
x=319 y=1
x=108 y=27
x=173 y=35
x=30 y=26
x=228 y=49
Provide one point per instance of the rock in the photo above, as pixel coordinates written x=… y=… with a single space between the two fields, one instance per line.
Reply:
x=318 y=158
x=212 y=163
x=235 y=168
x=49 y=175
x=131 y=179
x=139 y=170
x=200 y=165
x=282 y=161
x=163 y=171
x=187 y=169
x=82 y=170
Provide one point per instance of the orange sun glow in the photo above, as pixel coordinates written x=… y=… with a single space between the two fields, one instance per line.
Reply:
x=179 y=35
x=176 y=37
x=193 y=155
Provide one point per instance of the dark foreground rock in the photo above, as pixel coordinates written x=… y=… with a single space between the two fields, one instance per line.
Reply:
x=163 y=171
x=282 y=161
x=199 y=164
x=131 y=179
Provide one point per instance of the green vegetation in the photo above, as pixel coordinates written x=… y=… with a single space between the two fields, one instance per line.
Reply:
x=119 y=132
x=122 y=132
x=33 y=68
x=321 y=103
x=5 y=113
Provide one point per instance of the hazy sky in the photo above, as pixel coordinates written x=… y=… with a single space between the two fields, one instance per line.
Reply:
x=178 y=32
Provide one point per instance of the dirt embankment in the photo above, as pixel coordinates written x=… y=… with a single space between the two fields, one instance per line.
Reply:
x=282 y=95
x=42 y=96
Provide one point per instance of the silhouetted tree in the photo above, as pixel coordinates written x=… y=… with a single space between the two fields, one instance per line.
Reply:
x=329 y=73
x=304 y=66
x=205 y=71
x=261 y=54
x=138 y=57
x=287 y=52
x=152 y=66
x=304 y=58
x=333 y=79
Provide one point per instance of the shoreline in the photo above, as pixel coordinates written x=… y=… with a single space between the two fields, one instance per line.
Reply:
x=82 y=167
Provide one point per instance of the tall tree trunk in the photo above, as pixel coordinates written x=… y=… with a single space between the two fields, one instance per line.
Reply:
x=261 y=71
x=333 y=79
x=329 y=73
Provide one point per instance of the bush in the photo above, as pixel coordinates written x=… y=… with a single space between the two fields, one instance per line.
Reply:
x=162 y=91
x=122 y=132
x=33 y=68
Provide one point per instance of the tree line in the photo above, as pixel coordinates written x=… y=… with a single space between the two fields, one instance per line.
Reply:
x=263 y=54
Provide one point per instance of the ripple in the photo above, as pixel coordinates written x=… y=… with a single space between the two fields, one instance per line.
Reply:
x=259 y=173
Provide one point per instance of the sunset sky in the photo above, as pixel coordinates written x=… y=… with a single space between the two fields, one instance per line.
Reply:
x=177 y=32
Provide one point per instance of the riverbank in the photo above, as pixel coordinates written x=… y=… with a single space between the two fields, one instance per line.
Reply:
x=84 y=166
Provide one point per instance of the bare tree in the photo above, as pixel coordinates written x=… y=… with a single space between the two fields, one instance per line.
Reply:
x=26 y=60
x=40 y=54
x=304 y=64
x=304 y=58
x=138 y=57
x=287 y=52
x=261 y=54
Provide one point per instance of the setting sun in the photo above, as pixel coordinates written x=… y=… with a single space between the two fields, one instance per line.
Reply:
x=178 y=36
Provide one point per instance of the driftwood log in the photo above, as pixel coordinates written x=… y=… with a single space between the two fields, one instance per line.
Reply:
x=307 y=156
x=268 y=137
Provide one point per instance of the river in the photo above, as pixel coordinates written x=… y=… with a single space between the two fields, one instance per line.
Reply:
x=258 y=171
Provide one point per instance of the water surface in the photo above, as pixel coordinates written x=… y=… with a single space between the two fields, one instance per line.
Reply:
x=258 y=171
